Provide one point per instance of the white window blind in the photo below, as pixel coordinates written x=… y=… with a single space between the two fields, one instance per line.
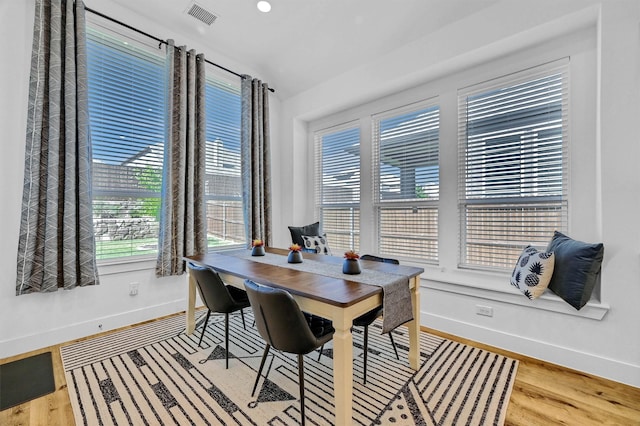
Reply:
x=338 y=185
x=223 y=185
x=513 y=165
x=406 y=181
x=127 y=110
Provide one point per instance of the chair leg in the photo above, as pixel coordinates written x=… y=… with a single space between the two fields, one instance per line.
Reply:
x=366 y=351
x=301 y=383
x=244 y=324
x=226 y=339
x=394 y=345
x=264 y=358
x=320 y=354
x=204 y=326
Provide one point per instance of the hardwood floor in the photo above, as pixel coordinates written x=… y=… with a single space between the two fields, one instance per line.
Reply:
x=547 y=394
x=543 y=394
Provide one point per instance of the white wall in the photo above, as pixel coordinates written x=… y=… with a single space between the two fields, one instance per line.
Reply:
x=602 y=338
x=32 y=321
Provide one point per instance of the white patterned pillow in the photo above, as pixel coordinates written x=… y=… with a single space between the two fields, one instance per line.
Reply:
x=533 y=271
x=317 y=243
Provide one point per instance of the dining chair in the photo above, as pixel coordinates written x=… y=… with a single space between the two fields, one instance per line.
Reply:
x=286 y=328
x=365 y=320
x=218 y=297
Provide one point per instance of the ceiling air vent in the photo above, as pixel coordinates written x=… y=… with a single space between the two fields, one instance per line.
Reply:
x=201 y=14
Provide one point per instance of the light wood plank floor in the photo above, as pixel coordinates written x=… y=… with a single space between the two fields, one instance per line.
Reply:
x=543 y=394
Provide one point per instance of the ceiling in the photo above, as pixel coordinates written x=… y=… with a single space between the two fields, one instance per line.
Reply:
x=301 y=43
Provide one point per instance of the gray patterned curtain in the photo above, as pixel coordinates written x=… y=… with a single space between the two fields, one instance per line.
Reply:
x=256 y=168
x=57 y=246
x=183 y=226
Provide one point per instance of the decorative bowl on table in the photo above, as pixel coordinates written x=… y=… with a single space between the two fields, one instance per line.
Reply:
x=257 y=248
x=351 y=263
x=295 y=255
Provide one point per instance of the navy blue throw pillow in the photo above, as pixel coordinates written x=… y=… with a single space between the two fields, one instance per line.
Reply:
x=576 y=269
x=298 y=231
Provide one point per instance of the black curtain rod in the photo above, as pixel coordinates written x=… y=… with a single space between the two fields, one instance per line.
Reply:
x=159 y=40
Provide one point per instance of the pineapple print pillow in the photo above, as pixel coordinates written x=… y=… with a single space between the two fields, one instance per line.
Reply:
x=533 y=271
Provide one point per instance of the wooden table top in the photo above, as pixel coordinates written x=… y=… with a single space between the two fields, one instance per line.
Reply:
x=334 y=291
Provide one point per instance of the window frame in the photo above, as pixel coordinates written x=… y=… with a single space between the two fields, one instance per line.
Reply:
x=223 y=82
x=543 y=206
x=335 y=236
x=129 y=43
x=412 y=249
x=214 y=77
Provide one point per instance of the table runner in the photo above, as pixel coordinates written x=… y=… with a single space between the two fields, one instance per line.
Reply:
x=396 y=296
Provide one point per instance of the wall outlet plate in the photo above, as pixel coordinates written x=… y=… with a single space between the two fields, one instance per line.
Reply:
x=133 y=289
x=486 y=311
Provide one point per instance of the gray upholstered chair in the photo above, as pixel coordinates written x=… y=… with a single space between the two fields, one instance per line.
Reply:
x=365 y=320
x=220 y=298
x=286 y=328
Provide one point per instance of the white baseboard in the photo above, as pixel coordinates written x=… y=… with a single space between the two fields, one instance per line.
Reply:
x=78 y=330
x=589 y=363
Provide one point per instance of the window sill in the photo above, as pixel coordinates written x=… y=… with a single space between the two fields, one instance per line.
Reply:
x=141 y=263
x=124 y=265
x=495 y=286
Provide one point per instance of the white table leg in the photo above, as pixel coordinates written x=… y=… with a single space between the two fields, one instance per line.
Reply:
x=191 y=304
x=414 y=326
x=343 y=372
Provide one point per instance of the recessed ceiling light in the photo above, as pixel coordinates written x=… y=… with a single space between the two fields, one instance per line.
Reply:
x=264 y=6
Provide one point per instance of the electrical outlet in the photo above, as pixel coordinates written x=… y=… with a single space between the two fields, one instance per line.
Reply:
x=486 y=311
x=133 y=289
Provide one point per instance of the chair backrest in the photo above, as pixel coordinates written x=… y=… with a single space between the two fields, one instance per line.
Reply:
x=213 y=291
x=379 y=259
x=279 y=319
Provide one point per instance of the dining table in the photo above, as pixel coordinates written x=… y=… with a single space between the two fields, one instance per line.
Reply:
x=319 y=287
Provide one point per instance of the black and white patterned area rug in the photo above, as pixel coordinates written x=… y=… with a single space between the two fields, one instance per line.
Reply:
x=155 y=374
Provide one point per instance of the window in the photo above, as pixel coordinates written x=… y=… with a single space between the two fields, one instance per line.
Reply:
x=127 y=110
x=127 y=115
x=223 y=186
x=513 y=160
x=406 y=181
x=338 y=185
